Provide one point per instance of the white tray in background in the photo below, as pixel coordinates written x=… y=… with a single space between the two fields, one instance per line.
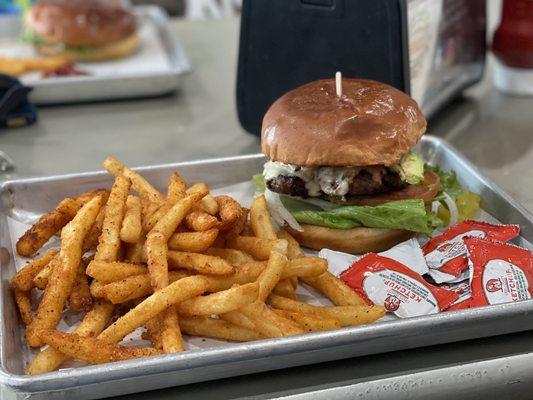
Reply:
x=155 y=69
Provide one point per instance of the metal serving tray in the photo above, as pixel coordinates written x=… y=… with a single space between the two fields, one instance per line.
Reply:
x=121 y=84
x=26 y=198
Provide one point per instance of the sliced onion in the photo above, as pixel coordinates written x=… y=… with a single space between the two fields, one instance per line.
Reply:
x=279 y=213
x=452 y=207
x=435 y=206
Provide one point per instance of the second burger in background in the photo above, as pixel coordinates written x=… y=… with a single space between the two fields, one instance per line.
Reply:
x=341 y=172
x=82 y=30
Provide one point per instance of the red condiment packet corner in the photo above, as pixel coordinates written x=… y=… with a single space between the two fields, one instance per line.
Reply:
x=386 y=282
x=501 y=272
x=447 y=252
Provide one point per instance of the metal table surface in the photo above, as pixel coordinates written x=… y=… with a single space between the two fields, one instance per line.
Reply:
x=493 y=130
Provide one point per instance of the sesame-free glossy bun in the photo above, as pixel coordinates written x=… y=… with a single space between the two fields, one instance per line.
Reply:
x=80 y=22
x=370 y=124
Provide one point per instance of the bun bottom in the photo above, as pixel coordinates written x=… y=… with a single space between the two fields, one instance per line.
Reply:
x=355 y=241
x=111 y=51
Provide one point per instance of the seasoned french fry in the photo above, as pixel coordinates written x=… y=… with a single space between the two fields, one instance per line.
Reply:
x=200 y=221
x=23 y=279
x=220 y=302
x=97 y=289
x=91 y=350
x=91 y=240
x=109 y=242
x=41 y=279
x=239 y=319
x=208 y=204
x=271 y=275
x=230 y=212
x=23 y=301
x=293 y=250
x=153 y=333
x=131 y=229
x=334 y=289
x=346 y=315
x=232 y=256
x=201 y=263
x=217 y=329
x=176 y=188
x=174 y=293
x=138 y=183
x=258 y=248
x=107 y=272
x=193 y=242
x=63 y=276
x=285 y=288
x=46 y=227
x=268 y=323
x=93 y=323
x=238 y=227
x=309 y=322
x=135 y=252
x=305 y=266
x=260 y=219
x=80 y=298
x=244 y=273
x=85 y=197
x=132 y=288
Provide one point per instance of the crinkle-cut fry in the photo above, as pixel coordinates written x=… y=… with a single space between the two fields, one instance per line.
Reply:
x=80 y=298
x=41 y=279
x=131 y=230
x=217 y=329
x=239 y=319
x=47 y=226
x=92 y=350
x=109 y=242
x=310 y=323
x=258 y=248
x=93 y=323
x=334 y=289
x=193 y=242
x=138 y=183
x=64 y=274
x=23 y=279
x=230 y=212
x=107 y=272
x=200 y=263
x=133 y=287
x=285 y=288
x=234 y=257
x=153 y=305
x=346 y=315
x=176 y=188
x=208 y=204
x=220 y=302
x=200 y=221
x=135 y=252
x=268 y=323
x=91 y=240
x=23 y=301
x=260 y=219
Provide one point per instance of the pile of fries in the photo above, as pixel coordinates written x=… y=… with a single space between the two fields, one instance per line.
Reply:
x=187 y=262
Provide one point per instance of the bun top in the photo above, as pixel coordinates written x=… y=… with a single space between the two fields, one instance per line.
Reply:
x=80 y=22
x=370 y=124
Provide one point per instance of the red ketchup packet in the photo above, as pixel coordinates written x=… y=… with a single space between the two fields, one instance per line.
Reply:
x=500 y=272
x=447 y=252
x=386 y=282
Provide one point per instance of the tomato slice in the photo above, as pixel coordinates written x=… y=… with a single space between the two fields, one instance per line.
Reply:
x=425 y=190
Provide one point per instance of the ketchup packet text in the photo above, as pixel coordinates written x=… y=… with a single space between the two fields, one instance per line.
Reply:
x=447 y=252
x=386 y=282
x=501 y=272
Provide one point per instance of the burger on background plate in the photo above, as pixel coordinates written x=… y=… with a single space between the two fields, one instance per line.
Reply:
x=341 y=172
x=82 y=30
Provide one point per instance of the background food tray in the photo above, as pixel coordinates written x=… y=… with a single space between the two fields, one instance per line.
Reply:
x=155 y=69
x=24 y=199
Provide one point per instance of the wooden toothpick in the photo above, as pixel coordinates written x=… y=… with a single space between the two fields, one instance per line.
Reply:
x=338 y=84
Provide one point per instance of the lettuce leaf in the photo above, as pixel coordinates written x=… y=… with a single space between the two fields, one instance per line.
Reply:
x=402 y=214
x=448 y=183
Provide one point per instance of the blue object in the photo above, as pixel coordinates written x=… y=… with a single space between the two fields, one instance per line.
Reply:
x=10 y=9
x=15 y=108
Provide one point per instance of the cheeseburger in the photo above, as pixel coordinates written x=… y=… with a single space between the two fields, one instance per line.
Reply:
x=341 y=171
x=82 y=30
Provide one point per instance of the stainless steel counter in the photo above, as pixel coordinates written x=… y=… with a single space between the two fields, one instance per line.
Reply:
x=493 y=130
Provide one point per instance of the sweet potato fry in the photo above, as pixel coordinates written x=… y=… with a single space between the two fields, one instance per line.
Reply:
x=138 y=183
x=63 y=276
x=91 y=350
x=201 y=263
x=46 y=227
x=93 y=323
x=193 y=242
x=23 y=279
x=131 y=229
x=217 y=329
